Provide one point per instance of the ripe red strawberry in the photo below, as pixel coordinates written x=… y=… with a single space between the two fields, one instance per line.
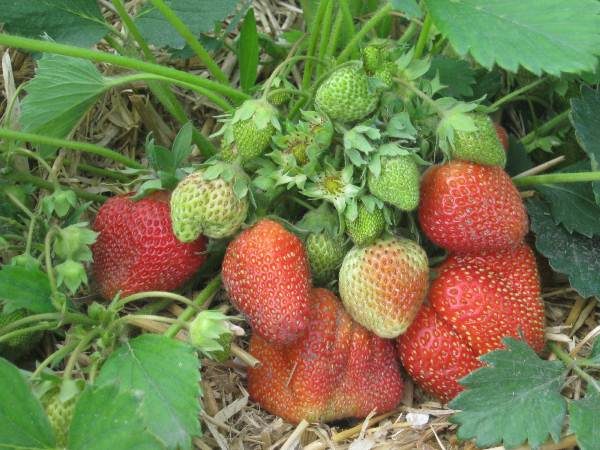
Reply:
x=267 y=275
x=136 y=249
x=475 y=302
x=336 y=370
x=470 y=208
x=502 y=135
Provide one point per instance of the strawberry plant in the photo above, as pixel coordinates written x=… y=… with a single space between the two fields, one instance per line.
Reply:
x=318 y=210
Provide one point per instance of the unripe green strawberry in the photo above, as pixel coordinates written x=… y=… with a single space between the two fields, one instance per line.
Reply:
x=247 y=134
x=19 y=345
x=60 y=415
x=481 y=146
x=325 y=254
x=386 y=73
x=384 y=284
x=209 y=207
x=372 y=58
x=367 y=226
x=278 y=98
x=398 y=182
x=345 y=95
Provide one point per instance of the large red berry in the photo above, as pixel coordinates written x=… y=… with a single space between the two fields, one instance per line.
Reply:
x=470 y=208
x=267 y=275
x=136 y=249
x=475 y=302
x=336 y=370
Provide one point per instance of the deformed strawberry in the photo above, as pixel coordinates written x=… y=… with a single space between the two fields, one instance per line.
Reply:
x=475 y=302
x=267 y=276
x=336 y=370
x=136 y=249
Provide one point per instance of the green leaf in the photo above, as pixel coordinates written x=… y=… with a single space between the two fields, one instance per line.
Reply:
x=161 y=158
x=76 y=22
x=170 y=405
x=108 y=417
x=455 y=74
x=517 y=158
x=513 y=400
x=552 y=36
x=60 y=94
x=25 y=287
x=182 y=145
x=408 y=7
x=584 y=418
x=585 y=117
x=200 y=16
x=573 y=204
x=248 y=52
x=572 y=254
x=23 y=422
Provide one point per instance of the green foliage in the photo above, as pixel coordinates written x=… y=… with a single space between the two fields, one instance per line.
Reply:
x=25 y=287
x=62 y=91
x=573 y=254
x=455 y=74
x=23 y=423
x=585 y=420
x=77 y=22
x=169 y=392
x=408 y=7
x=248 y=51
x=117 y=421
x=528 y=33
x=585 y=117
x=516 y=399
x=200 y=16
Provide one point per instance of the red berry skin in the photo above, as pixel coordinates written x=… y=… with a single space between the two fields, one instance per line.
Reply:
x=136 y=249
x=471 y=208
x=336 y=370
x=475 y=302
x=267 y=276
x=502 y=135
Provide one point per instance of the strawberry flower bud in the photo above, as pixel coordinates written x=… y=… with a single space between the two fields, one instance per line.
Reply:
x=72 y=274
x=210 y=332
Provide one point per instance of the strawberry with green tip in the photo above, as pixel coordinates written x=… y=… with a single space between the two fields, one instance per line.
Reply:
x=367 y=226
x=336 y=370
x=346 y=96
x=267 y=276
x=397 y=183
x=481 y=146
x=475 y=302
x=208 y=207
x=383 y=285
x=248 y=132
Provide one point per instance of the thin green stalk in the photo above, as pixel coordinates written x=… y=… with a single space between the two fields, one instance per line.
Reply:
x=25 y=331
x=81 y=347
x=24 y=177
x=314 y=31
x=160 y=90
x=60 y=317
x=58 y=355
x=152 y=294
x=365 y=29
x=42 y=162
x=95 y=170
x=30 y=231
x=423 y=36
x=325 y=33
x=191 y=40
x=333 y=38
x=5 y=133
x=408 y=34
x=545 y=128
x=20 y=205
x=510 y=96
x=572 y=364
x=49 y=268
x=553 y=178
x=121 y=61
x=348 y=22
x=154 y=307
x=209 y=290
x=114 y=44
x=133 y=317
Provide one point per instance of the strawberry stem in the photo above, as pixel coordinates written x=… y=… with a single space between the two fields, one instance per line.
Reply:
x=423 y=37
x=81 y=347
x=554 y=178
x=118 y=305
x=573 y=364
x=314 y=31
x=23 y=331
x=514 y=94
x=545 y=128
x=24 y=177
x=205 y=294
